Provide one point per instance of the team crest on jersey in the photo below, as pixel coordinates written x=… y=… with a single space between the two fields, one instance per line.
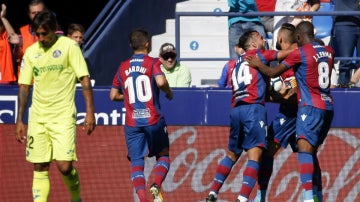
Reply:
x=303 y=117
x=22 y=65
x=57 y=53
x=282 y=121
x=262 y=123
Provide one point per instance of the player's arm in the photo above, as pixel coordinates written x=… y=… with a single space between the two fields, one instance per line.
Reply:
x=116 y=95
x=222 y=80
x=255 y=61
x=163 y=84
x=13 y=37
x=281 y=54
x=286 y=95
x=89 y=123
x=23 y=98
x=315 y=6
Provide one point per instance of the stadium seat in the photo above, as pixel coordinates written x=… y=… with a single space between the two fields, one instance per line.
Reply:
x=201 y=37
x=323 y=24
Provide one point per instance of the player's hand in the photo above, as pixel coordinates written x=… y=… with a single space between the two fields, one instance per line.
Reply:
x=20 y=132
x=89 y=123
x=254 y=61
x=169 y=95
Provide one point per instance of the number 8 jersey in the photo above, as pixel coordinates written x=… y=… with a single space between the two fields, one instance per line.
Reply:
x=312 y=64
x=135 y=78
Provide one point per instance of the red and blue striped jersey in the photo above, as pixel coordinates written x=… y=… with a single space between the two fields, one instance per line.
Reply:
x=313 y=64
x=249 y=85
x=135 y=78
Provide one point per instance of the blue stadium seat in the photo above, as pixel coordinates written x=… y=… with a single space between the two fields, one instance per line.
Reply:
x=323 y=24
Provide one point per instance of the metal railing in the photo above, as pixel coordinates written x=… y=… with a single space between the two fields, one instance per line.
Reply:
x=213 y=14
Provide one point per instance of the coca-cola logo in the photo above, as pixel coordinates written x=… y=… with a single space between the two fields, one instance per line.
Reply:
x=196 y=152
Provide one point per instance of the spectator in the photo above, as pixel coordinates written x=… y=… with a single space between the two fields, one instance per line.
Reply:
x=292 y=5
x=248 y=121
x=354 y=81
x=346 y=38
x=225 y=78
x=145 y=126
x=315 y=109
x=52 y=116
x=28 y=36
x=176 y=74
x=267 y=6
x=240 y=24
x=7 y=35
x=76 y=32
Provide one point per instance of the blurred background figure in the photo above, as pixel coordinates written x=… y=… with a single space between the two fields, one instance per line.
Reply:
x=238 y=25
x=176 y=74
x=76 y=32
x=346 y=39
x=225 y=78
x=7 y=36
x=267 y=6
x=292 y=5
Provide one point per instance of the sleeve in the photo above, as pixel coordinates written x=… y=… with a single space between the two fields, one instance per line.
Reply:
x=116 y=80
x=222 y=80
x=77 y=61
x=269 y=55
x=26 y=71
x=292 y=59
x=157 y=67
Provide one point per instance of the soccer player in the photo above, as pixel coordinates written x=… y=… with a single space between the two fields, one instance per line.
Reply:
x=138 y=82
x=248 y=127
x=282 y=129
x=52 y=65
x=225 y=77
x=312 y=64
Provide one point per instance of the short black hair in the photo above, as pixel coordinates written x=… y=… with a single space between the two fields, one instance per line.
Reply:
x=138 y=38
x=305 y=28
x=244 y=39
x=45 y=19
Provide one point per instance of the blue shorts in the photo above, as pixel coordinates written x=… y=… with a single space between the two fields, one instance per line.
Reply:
x=248 y=127
x=147 y=140
x=283 y=129
x=313 y=124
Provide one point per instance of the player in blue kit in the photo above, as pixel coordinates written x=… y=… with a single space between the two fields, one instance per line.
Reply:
x=312 y=64
x=248 y=127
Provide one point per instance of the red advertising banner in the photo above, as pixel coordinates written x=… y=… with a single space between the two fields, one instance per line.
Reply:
x=195 y=152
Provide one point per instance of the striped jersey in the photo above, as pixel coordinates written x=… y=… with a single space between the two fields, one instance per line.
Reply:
x=249 y=85
x=135 y=78
x=312 y=64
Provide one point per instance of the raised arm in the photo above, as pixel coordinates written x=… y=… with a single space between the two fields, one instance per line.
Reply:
x=315 y=6
x=283 y=53
x=255 y=61
x=13 y=37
